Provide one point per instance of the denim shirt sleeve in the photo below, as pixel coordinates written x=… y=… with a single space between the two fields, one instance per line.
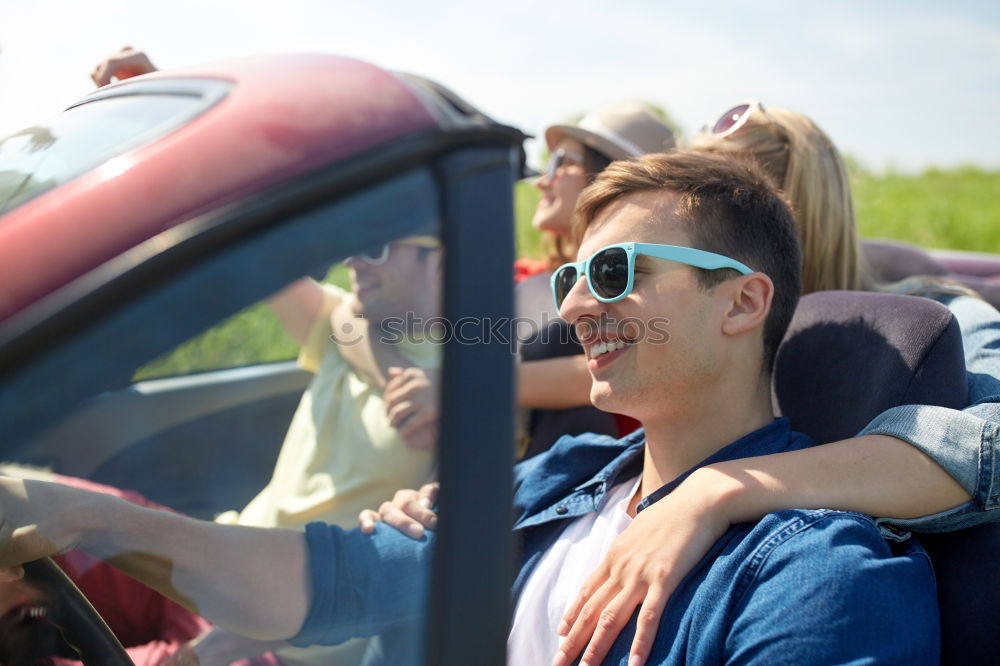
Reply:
x=362 y=585
x=827 y=589
x=963 y=442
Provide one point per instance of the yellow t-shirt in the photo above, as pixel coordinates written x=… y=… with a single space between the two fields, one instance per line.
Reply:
x=340 y=455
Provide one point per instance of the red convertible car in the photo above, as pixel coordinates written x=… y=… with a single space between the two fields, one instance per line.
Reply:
x=153 y=211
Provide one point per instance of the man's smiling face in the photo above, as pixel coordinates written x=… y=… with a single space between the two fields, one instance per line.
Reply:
x=408 y=280
x=636 y=371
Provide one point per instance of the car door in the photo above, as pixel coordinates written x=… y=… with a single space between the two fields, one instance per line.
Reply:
x=74 y=396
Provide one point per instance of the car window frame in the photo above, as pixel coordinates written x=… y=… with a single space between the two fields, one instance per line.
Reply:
x=167 y=306
x=475 y=168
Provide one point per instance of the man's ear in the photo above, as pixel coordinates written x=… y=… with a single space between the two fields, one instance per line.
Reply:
x=750 y=303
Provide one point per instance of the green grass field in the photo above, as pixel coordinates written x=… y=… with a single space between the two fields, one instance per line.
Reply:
x=251 y=336
x=956 y=209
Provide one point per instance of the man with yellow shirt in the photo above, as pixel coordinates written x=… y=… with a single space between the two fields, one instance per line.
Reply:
x=341 y=452
x=359 y=433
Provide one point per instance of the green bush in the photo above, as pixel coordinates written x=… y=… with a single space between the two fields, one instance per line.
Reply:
x=528 y=240
x=253 y=335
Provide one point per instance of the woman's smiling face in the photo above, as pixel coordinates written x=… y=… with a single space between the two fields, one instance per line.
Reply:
x=554 y=213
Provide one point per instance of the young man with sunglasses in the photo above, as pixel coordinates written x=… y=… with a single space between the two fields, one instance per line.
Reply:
x=705 y=244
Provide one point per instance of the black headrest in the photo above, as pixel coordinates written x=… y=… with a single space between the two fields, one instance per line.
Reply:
x=848 y=356
x=968 y=582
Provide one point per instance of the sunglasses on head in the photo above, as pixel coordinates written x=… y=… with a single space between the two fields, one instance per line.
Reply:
x=559 y=158
x=611 y=270
x=735 y=118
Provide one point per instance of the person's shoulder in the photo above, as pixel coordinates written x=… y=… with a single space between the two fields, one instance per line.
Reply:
x=570 y=462
x=831 y=576
x=832 y=541
x=793 y=525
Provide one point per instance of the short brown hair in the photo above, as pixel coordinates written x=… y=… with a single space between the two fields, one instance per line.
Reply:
x=729 y=207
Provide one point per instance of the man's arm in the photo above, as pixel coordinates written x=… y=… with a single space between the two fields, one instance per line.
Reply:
x=297 y=306
x=554 y=383
x=248 y=580
x=323 y=587
x=123 y=64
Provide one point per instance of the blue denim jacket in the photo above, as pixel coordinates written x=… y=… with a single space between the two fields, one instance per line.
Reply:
x=797 y=587
x=963 y=442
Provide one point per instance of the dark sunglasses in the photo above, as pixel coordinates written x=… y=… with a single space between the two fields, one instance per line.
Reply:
x=735 y=118
x=376 y=256
x=379 y=254
x=611 y=270
x=558 y=158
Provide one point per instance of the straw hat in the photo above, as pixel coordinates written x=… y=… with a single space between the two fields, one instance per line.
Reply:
x=619 y=131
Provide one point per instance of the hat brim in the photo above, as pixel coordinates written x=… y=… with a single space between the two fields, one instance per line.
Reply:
x=604 y=146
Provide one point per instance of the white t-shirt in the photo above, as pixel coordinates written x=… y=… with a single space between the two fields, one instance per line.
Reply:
x=560 y=574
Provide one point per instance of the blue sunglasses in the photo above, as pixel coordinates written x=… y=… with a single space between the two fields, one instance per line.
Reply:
x=611 y=270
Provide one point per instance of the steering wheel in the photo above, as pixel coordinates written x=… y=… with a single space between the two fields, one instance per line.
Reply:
x=81 y=626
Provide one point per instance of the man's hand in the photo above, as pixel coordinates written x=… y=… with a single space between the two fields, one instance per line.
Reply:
x=123 y=64
x=411 y=403
x=211 y=569
x=31 y=526
x=409 y=512
x=642 y=569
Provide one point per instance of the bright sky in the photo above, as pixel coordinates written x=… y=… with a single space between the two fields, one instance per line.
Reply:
x=898 y=83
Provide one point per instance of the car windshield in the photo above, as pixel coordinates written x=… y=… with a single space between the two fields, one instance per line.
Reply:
x=41 y=157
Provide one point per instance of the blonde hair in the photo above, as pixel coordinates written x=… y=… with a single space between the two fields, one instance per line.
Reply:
x=808 y=168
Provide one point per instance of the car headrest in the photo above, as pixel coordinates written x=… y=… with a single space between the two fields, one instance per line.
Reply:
x=848 y=356
x=890 y=261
